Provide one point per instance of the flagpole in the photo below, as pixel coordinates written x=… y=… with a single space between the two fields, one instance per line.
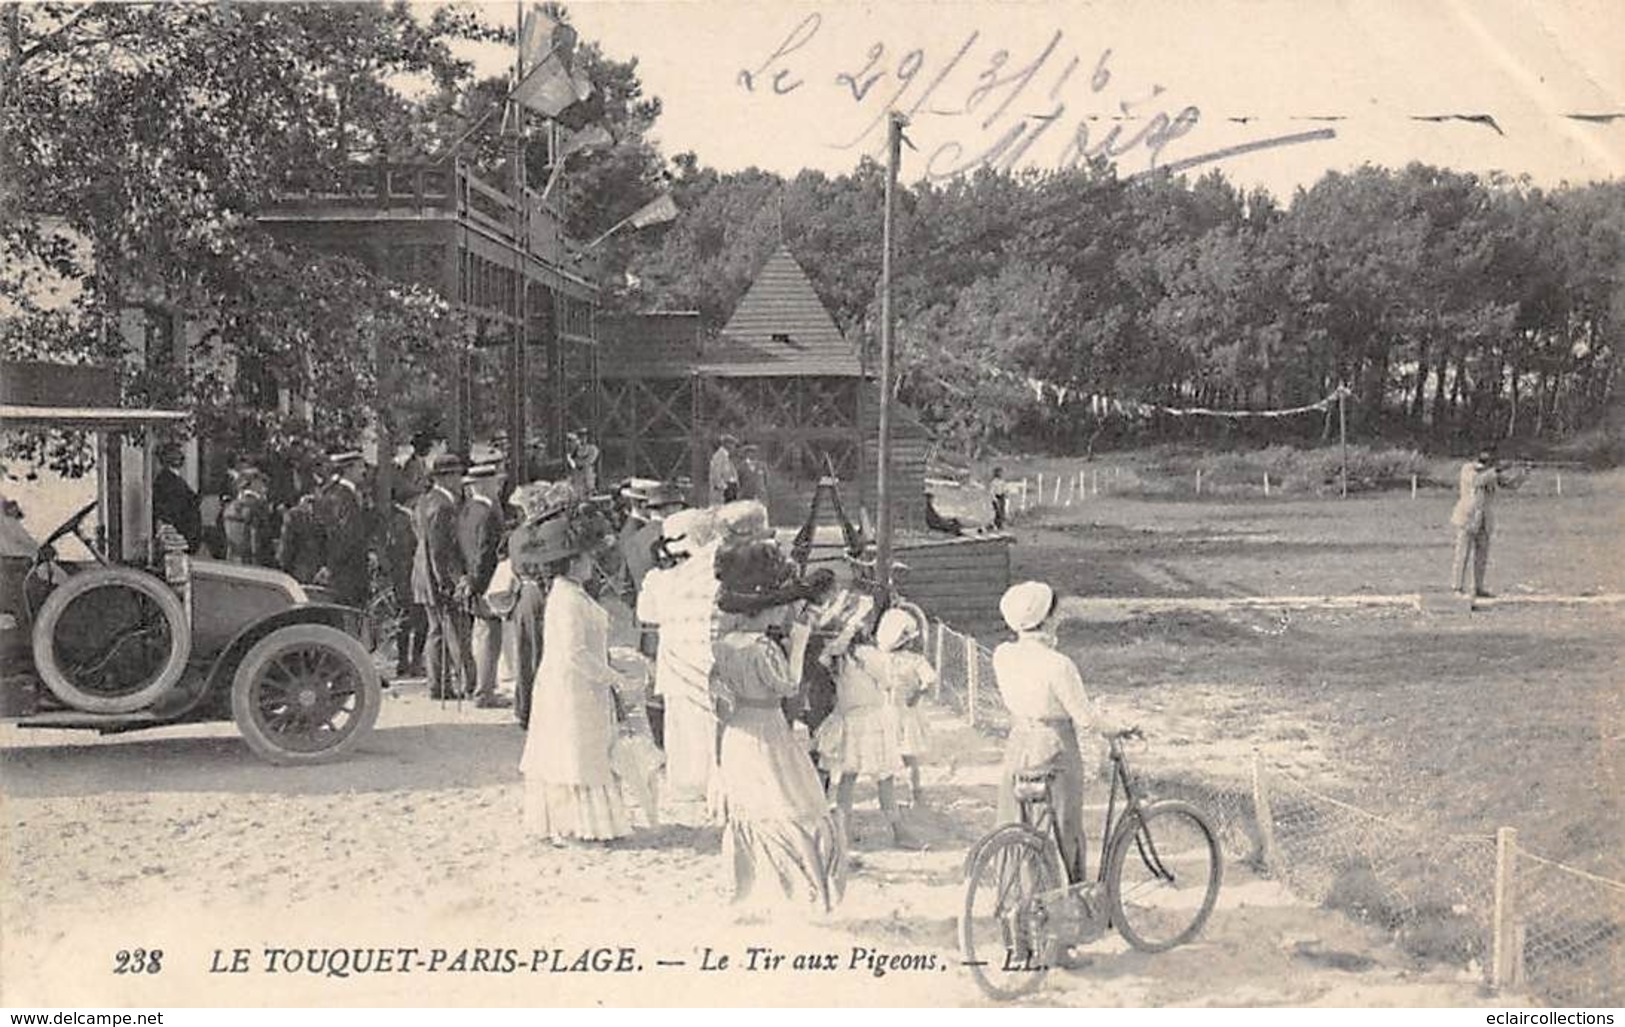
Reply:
x=883 y=528
x=496 y=107
x=517 y=452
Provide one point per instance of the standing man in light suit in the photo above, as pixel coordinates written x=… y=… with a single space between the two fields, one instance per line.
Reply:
x=724 y=477
x=1474 y=520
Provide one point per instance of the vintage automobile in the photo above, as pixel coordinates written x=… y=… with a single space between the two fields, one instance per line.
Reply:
x=139 y=635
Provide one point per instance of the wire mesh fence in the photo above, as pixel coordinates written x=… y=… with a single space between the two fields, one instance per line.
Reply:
x=1529 y=925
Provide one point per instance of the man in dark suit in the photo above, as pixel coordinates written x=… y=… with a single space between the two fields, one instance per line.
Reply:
x=345 y=527
x=440 y=581
x=299 y=547
x=173 y=500
x=397 y=552
x=479 y=533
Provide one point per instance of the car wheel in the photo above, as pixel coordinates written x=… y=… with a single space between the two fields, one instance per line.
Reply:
x=111 y=640
x=306 y=693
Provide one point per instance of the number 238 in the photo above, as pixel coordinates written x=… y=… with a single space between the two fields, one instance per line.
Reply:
x=138 y=961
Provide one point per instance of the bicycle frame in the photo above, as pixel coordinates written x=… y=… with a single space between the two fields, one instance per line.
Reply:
x=1120 y=785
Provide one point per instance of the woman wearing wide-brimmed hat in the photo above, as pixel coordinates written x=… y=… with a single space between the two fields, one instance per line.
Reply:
x=543 y=507
x=780 y=843
x=570 y=787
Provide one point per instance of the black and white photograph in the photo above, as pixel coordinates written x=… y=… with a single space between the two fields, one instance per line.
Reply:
x=876 y=503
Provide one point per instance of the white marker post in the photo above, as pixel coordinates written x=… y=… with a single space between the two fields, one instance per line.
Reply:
x=1198 y=481
x=1413 y=486
x=1095 y=480
x=1266 y=484
x=1041 y=487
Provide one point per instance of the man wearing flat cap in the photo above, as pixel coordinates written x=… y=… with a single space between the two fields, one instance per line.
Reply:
x=440 y=581
x=479 y=534
x=345 y=530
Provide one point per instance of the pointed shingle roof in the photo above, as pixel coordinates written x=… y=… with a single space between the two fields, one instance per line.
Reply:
x=781 y=328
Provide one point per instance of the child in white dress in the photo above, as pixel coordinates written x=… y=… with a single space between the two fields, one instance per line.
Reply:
x=864 y=737
x=908 y=676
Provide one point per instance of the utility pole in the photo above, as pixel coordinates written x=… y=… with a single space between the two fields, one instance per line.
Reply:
x=516 y=451
x=883 y=540
x=1343 y=438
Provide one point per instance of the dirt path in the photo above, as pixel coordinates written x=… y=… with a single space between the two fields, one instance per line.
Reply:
x=187 y=844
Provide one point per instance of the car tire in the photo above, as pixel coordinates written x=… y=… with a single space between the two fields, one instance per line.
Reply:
x=127 y=700
x=293 y=685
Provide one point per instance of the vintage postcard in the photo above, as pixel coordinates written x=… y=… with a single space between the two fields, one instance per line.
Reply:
x=873 y=503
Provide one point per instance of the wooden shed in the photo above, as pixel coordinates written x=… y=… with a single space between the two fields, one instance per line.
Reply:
x=779 y=374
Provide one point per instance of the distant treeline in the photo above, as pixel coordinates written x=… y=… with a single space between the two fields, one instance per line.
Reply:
x=1455 y=308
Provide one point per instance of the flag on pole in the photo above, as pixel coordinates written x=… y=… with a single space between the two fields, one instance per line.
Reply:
x=552 y=83
x=656 y=212
x=589 y=138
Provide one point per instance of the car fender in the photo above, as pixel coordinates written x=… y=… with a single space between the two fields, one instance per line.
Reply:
x=345 y=618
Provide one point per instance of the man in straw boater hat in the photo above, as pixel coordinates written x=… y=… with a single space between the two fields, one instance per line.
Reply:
x=479 y=533
x=651 y=502
x=440 y=581
x=344 y=531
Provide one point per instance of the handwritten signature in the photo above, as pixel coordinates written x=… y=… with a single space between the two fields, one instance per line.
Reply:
x=981 y=86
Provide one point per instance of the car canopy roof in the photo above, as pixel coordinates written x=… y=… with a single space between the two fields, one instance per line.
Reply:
x=86 y=418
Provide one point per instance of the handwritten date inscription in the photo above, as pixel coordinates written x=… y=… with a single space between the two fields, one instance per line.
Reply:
x=1053 y=105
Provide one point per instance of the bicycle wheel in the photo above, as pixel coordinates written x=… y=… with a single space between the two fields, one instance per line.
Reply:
x=1163 y=876
x=1000 y=933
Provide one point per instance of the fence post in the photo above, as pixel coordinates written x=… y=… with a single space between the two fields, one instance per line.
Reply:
x=1024 y=494
x=1266 y=484
x=1040 y=488
x=936 y=687
x=1094 y=477
x=1057 y=500
x=1198 y=481
x=1560 y=483
x=1503 y=925
x=1266 y=818
x=1413 y=486
x=972 y=675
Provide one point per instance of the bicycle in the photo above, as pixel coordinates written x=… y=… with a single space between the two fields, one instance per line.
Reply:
x=1158 y=881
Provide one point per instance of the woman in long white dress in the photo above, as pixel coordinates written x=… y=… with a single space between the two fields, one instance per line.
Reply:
x=681 y=601
x=780 y=843
x=570 y=787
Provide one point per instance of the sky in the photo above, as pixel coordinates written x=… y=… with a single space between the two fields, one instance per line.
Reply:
x=1274 y=92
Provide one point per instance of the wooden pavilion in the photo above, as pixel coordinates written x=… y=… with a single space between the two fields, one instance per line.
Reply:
x=781 y=375
x=501 y=256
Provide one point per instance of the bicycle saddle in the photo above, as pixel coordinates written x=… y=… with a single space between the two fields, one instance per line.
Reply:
x=1032 y=784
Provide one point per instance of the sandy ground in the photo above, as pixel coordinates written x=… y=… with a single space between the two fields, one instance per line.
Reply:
x=180 y=840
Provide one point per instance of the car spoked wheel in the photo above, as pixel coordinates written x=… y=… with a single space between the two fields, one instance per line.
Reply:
x=111 y=640
x=305 y=694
